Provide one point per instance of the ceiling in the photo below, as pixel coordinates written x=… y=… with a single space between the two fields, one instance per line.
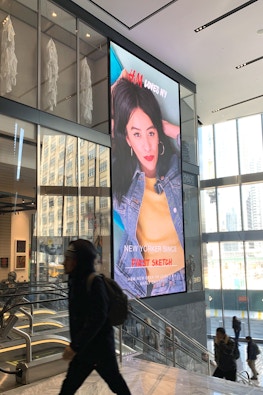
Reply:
x=208 y=58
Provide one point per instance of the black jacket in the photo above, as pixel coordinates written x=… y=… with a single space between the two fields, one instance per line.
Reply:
x=224 y=354
x=90 y=328
x=252 y=351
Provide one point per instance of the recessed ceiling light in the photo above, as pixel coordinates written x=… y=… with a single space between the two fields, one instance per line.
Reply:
x=227 y=14
x=87 y=35
x=249 y=62
x=54 y=14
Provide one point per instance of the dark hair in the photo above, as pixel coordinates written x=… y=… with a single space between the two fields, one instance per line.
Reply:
x=248 y=338
x=86 y=253
x=221 y=330
x=126 y=97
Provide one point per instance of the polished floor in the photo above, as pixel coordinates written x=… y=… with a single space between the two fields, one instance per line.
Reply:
x=146 y=378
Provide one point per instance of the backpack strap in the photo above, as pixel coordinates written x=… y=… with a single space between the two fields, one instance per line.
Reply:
x=90 y=279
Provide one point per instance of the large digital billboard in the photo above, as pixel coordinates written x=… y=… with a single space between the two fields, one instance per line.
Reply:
x=146 y=178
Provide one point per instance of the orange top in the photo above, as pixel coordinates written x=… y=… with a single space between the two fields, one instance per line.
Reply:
x=161 y=247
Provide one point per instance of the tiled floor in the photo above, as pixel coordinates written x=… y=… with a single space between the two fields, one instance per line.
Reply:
x=146 y=378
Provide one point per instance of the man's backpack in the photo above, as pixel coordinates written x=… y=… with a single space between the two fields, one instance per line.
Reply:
x=257 y=349
x=118 y=311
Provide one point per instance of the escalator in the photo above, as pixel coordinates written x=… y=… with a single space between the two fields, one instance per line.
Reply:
x=152 y=337
x=34 y=331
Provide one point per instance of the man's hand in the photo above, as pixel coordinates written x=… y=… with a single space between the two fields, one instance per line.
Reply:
x=68 y=353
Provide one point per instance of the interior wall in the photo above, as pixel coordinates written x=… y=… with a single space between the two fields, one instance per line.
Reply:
x=20 y=230
x=189 y=318
x=5 y=247
x=186 y=311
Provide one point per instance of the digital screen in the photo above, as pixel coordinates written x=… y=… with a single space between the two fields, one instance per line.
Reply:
x=146 y=178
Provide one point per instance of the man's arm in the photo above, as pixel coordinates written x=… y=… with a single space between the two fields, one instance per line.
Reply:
x=96 y=316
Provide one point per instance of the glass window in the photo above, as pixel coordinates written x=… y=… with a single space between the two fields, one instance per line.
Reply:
x=93 y=77
x=212 y=282
x=18 y=193
x=254 y=263
x=229 y=213
x=206 y=152
x=58 y=61
x=208 y=210
x=226 y=149
x=232 y=260
x=21 y=84
x=234 y=284
x=254 y=259
x=75 y=206
x=188 y=126
x=192 y=238
x=250 y=144
x=252 y=202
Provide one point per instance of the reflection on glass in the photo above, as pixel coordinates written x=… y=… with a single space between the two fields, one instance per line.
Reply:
x=226 y=149
x=93 y=79
x=74 y=197
x=22 y=86
x=192 y=237
x=229 y=209
x=58 y=61
x=254 y=259
x=252 y=202
x=206 y=152
x=211 y=266
x=208 y=210
x=232 y=262
x=251 y=155
x=212 y=282
x=188 y=126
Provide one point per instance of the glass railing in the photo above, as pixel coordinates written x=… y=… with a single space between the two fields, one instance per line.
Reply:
x=152 y=337
x=34 y=323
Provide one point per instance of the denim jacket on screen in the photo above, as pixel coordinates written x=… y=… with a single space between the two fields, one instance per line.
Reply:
x=127 y=211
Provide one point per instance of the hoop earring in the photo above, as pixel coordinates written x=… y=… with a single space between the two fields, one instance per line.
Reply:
x=131 y=151
x=163 y=148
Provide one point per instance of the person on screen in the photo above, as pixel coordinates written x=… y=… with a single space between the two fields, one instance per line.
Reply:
x=147 y=195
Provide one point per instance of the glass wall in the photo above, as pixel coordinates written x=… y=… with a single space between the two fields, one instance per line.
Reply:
x=232 y=224
x=64 y=70
x=18 y=153
x=193 y=263
x=19 y=65
x=50 y=198
x=73 y=198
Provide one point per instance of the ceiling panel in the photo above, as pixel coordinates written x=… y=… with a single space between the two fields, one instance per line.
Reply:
x=132 y=12
x=208 y=58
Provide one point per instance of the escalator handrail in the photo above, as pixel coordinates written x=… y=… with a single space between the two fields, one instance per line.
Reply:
x=177 y=345
x=165 y=321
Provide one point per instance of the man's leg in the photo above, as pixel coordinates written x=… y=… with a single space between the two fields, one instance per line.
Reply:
x=78 y=371
x=108 y=369
x=218 y=373
x=231 y=375
x=251 y=364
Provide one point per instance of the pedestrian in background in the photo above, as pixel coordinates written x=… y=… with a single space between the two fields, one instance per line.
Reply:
x=252 y=353
x=224 y=348
x=236 y=325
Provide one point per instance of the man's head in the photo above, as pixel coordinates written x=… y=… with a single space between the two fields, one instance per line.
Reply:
x=248 y=339
x=80 y=256
x=220 y=333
